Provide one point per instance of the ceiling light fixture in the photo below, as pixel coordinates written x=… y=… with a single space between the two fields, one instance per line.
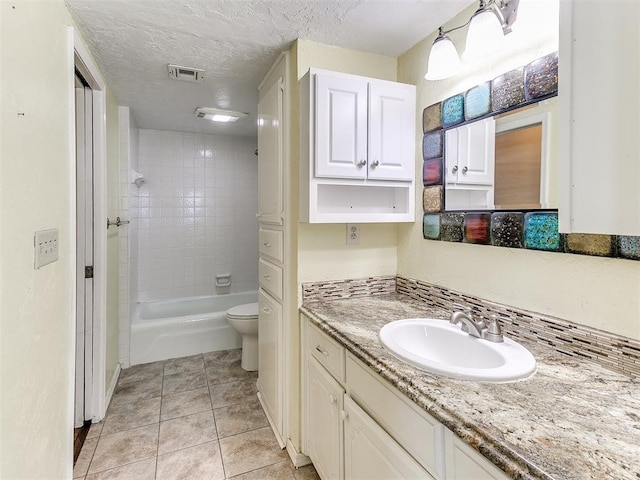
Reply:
x=487 y=28
x=217 y=115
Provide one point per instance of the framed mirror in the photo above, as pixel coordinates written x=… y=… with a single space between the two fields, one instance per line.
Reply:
x=503 y=162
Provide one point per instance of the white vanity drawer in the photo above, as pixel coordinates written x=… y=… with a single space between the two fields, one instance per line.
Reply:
x=270 y=278
x=271 y=244
x=327 y=351
x=415 y=430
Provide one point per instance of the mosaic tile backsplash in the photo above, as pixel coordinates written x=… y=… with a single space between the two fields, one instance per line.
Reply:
x=611 y=351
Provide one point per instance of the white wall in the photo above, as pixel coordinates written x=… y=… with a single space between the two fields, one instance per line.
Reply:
x=598 y=292
x=196 y=216
x=37 y=184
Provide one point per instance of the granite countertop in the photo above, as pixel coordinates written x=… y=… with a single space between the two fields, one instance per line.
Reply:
x=572 y=420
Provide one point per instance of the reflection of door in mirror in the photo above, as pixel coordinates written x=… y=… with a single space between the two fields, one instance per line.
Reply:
x=517 y=168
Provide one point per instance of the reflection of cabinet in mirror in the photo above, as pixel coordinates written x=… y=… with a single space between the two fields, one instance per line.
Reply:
x=469 y=165
x=507 y=162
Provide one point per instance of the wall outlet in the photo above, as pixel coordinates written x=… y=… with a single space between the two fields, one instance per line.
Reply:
x=46 y=245
x=353 y=234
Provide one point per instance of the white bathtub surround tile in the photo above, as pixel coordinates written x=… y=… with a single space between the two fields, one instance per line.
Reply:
x=187 y=431
x=144 y=470
x=201 y=462
x=131 y=415
x=198 y=185
x=126 y=447
x=184 y=382
x=239 y=418
x=249 y=451
x=184 y=364
x=185 y=403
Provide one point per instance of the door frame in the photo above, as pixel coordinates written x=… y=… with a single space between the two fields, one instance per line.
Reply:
x=81 y=59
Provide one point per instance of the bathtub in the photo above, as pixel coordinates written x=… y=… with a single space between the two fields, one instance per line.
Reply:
x=185 y=326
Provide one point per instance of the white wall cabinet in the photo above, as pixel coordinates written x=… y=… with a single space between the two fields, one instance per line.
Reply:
x=357 y=149
x=599 y=122
x=470 y=153
x=373 y=431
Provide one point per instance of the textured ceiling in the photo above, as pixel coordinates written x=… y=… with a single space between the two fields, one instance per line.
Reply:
x=235 y=41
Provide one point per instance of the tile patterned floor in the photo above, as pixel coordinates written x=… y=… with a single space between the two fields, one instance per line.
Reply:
x=189 y=418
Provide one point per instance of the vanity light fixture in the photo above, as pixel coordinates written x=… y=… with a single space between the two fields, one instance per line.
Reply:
x=217 y=115
x=487 y=28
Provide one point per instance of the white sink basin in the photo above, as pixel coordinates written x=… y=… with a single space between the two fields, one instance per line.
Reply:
x=439 y=347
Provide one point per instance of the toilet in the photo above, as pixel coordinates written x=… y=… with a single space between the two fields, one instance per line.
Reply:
x=244 y=319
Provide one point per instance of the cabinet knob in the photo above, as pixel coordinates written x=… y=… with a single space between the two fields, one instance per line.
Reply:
x=333 y=399
x=465 y=170
x=267 y=244
x=375 y=163
x=266 y=310
x=266 y=277
x=343 y=415
x=322 y=351
x=454 y=169
x=362 y=162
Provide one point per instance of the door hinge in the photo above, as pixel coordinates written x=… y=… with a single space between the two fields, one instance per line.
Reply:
x=88 y=272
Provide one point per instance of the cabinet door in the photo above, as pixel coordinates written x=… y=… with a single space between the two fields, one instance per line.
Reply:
x=470 y=153
x=270 y=137
x=465 y=463
x=392 y=109
x=341 y=127
x=370 y=453
x=324 y=426
x=269 y=358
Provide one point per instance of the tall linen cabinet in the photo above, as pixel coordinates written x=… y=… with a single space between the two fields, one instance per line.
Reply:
x=273 y=295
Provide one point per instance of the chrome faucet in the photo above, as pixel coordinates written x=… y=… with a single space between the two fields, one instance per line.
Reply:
x=490 y=330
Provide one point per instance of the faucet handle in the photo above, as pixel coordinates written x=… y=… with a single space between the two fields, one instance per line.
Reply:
x=493 y=333
x=462 y=308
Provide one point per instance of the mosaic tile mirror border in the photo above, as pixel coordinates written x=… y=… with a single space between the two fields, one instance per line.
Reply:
x=535 y=230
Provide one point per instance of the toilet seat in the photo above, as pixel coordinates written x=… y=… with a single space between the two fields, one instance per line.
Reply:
x=246 y=311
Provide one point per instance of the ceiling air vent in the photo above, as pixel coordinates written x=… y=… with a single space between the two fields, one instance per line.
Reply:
x=186 y=74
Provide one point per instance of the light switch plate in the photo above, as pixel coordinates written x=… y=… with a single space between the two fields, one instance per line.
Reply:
x=46 y=245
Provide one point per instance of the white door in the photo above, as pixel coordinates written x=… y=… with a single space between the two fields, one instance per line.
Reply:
x=269 y=359
x=370 y=453
x=270 y=155
x=391 y=131
x=84 y=252
x=341 y=127
x=324 y=425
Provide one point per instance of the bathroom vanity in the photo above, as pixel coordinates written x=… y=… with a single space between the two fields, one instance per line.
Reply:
x=367 y=414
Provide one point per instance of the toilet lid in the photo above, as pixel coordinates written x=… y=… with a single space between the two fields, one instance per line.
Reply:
x=246 y=310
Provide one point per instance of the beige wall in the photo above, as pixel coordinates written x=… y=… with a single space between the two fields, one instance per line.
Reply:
x=598 y=292
x=322 y=250
x=113 y=241
x=36 y=188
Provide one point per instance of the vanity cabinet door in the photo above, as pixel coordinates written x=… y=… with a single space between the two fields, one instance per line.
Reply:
x=341 y=126
x=370 y=453
x=465 y=463
x=324 y=425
